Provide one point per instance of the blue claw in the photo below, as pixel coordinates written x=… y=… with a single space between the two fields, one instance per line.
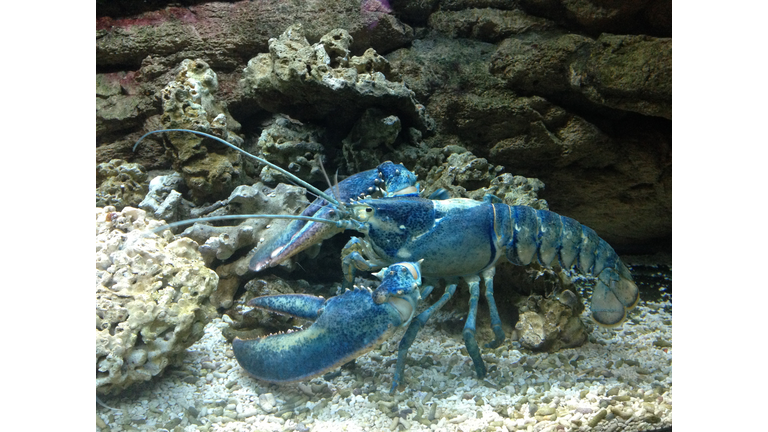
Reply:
x=298 y=236
x=392 y=178
x=398 y=280
x=346 y=327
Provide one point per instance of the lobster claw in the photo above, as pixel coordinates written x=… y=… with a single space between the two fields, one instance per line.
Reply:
x=398 y=282
x=346 y=327
x=393 y=179
x=298 y=236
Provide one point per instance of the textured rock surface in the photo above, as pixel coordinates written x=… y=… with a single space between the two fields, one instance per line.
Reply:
x=223 y=33
x=302 y=79
x=625 y=72
x=119 y=102
x=548 y=324
x=609 y=170
x=120 y=184
x=293 y=145
x=220 y=243
x=486 y=24
x=164 y=200
x=575 y=93
x=614 y=16
x=467 y=176
x=370 y=138
x=210 y=169
x=151 y=298
x=630 y=73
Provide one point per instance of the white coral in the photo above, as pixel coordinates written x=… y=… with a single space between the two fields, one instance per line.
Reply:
x=151 y=298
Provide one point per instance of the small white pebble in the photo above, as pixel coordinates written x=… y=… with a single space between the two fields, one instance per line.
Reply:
x=267 y=402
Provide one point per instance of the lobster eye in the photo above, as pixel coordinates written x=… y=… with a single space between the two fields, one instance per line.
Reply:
x=363 y=212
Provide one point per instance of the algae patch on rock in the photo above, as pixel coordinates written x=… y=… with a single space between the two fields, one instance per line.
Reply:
x=152 y=298
x=120 y=184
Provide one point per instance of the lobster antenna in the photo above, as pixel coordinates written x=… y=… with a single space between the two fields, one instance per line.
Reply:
x=328 y=180
x=336 y=183
x=339 y=223
x=297 y=180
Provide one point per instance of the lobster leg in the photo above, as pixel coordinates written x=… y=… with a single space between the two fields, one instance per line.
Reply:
x=498 y=333
x=410 y=335
x=470 y=326
x=353 y=259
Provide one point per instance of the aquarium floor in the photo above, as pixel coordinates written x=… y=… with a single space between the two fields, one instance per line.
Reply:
x=621 y=380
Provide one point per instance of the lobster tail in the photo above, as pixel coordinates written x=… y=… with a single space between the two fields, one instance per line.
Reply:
x=544 y=235
x=613 y=295
x=615 y=292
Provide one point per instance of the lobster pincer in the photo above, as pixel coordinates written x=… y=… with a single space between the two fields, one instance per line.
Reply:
x=388 y=178
x=345 y=327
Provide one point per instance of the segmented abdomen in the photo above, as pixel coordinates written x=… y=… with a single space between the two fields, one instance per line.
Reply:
x=544 y=236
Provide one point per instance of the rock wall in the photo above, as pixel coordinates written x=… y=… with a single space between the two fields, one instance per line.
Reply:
x=575 y=93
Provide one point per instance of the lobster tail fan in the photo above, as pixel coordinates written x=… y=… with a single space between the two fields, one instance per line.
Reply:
x=613 y=295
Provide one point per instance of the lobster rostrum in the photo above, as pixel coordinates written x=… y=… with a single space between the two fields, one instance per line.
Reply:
x=452 y=239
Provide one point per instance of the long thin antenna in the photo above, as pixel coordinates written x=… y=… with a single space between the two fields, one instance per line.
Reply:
x=339 y=223
x=327 y=180
x=336 y=184
x=315 y=190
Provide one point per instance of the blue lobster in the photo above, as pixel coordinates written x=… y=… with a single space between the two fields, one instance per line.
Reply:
x=450 y=239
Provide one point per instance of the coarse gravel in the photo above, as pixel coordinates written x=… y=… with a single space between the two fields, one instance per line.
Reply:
x=621 y=380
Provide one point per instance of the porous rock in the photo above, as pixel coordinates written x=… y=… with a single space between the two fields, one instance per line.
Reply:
x=151 y=298
x=210 y=169
x=225 y=34
x=293 y=145
x=307 y=82
x=369 y=139
x=614 y=177
x=120 y=184
x=610 y=16
x=486 y=24
x=467 y=176
x=220 y=243
x=549 y=324
x=624 y=72
x=164 y=199
x=122 y=102
x=627 y=72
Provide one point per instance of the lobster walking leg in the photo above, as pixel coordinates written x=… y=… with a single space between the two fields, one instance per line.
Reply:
x=470 y=326
x=353 y=259
x=413 y=329
x=498 y=333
